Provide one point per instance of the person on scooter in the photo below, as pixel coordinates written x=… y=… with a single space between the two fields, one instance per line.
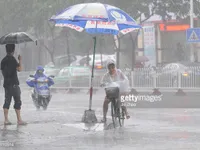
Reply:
x=113 y=75
x=40 y=73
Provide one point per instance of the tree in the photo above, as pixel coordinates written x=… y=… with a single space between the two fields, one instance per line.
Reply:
x=49 y=41
x=33 y=16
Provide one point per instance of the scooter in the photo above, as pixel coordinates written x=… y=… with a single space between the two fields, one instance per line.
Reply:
x=41 y=95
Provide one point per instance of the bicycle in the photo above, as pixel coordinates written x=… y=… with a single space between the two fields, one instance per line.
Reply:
x=117 y=112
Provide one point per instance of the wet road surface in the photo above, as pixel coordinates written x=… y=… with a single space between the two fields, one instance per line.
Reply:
x=59 y=127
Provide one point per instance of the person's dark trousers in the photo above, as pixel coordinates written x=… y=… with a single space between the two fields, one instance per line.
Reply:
x=15 y=92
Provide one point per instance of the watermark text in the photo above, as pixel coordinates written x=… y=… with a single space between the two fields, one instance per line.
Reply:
x=131 y=100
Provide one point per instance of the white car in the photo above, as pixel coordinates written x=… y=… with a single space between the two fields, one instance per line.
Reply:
x=98 y=64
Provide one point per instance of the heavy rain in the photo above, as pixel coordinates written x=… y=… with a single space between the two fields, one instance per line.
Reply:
x=107 y=74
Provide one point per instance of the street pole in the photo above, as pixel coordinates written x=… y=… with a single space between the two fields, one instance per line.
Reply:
x=117 y=52
x=191 y=26
x=191 y=13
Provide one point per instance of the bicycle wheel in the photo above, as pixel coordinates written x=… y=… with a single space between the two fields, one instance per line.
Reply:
x=113 y=112
x=122 y=117
x=120 y=114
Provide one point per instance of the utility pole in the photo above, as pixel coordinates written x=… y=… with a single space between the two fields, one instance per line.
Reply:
x=191 y=26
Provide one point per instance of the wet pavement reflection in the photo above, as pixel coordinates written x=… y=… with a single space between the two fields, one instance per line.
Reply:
x=59 y=127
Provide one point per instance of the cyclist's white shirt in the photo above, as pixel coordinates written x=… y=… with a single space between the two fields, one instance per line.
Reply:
x=118 y=76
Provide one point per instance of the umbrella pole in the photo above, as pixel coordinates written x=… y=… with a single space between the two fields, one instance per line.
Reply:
x=92 y=75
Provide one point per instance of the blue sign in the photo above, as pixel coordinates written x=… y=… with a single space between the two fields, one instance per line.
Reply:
x=193 y=35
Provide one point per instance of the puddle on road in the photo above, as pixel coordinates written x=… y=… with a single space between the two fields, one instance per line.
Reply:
x=28 y=123
x=42 y=122
x=86 y=127
x=93 y=127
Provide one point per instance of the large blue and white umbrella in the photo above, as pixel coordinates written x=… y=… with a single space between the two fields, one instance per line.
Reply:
x=96 y=18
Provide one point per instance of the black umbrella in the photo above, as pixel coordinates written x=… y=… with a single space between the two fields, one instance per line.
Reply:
x=16 y=38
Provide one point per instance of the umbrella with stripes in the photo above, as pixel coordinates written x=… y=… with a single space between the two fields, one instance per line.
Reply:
x=16 y=38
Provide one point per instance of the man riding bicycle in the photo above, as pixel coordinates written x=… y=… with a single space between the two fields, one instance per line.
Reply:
x=113 y=75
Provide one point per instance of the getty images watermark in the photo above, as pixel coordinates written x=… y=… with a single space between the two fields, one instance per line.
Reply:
x=131 y=100
x=6 y=144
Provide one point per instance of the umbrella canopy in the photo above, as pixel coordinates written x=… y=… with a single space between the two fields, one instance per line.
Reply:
x=96 y=18
x=16 y=38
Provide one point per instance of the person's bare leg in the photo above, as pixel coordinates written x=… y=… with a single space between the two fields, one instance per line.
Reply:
x=105 y=109
x=6 y=121
x=124 y=107
x=6 y=107
x=17 y=107
x=19 y=119
x=18 y=115
x=126 y=112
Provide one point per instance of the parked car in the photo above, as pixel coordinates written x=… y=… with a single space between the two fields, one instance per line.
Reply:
x=98 y=63
x=188 y=75
x=51 y=71
x=60 y=62
x=100 y=68
x=76 y=76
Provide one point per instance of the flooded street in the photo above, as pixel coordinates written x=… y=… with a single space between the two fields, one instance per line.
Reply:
x=60 y=127
x=150 y=48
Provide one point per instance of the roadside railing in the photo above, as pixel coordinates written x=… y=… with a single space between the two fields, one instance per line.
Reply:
x=140 y=79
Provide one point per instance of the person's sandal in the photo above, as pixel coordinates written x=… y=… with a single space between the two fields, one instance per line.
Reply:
x=22 y=123
x=7 y=123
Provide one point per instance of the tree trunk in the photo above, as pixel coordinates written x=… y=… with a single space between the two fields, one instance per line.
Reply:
x=51 y=53
x=39 y=55
x=134 y=41
x=52 y=57
x=53 y=42
x=133 y=52
x=25 y=63
x=88 y=53
x=101 y=46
